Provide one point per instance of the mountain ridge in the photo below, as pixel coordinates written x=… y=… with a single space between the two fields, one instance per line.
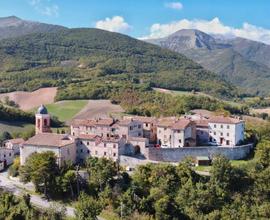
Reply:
x=241 y=61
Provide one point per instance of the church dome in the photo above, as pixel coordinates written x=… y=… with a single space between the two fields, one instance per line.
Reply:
x=42 y=110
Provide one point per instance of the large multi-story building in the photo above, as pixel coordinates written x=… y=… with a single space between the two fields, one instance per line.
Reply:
x=226 y=131
x=61 y=144
x=176 y=132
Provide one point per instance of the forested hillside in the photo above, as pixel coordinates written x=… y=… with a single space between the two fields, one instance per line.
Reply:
x=90 y=56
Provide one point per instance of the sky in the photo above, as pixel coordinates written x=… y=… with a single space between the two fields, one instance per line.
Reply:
x=150 y=18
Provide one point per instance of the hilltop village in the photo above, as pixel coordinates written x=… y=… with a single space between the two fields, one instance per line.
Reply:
x=134 y=136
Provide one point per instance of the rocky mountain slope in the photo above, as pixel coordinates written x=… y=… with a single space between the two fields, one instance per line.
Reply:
x=243 y=62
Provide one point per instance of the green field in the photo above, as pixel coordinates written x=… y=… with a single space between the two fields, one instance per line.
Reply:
x=66 y=110
x=12 y=127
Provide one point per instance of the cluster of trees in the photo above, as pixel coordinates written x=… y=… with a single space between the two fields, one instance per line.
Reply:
x=10 y=114
x=160 y=191
x=12 y=207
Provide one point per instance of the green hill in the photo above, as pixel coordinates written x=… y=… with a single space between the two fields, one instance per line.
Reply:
x=80 y=58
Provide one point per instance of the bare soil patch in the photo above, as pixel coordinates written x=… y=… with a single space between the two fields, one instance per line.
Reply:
x=98 y=108
x=30 y=100
x=261 y=110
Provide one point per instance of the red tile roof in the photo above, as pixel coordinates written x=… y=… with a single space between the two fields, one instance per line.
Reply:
x=16 y=141
x=224 y=120
x=50 y=140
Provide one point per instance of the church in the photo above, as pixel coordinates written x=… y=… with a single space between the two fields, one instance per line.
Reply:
x=63 y=145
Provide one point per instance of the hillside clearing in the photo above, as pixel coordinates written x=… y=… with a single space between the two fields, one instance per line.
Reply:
x=30 y=100
x=66 y=110
x=99 y=108
x=261 y=110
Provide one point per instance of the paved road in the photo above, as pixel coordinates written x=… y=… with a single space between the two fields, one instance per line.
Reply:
x=18 y=189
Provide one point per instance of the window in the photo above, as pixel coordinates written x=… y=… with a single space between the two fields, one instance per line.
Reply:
x=139 y=134
x=221 y=126
x=114 y=154
x=105 y=153
x=130 y=128
x=105 y=145
x=146 y=124
x=88 y=151
x=45 y=122
x=221 y=134
x=228 y=126
x=180 y=141
x=178 y=131
x=215 y=125
x=215 y=133
x=96 y=153
x=81 y=142
x=114 y=146
x=139 y=126
x=81 y=150
x=87 y=142
x=227 y=142
x=10 y=154
x=228 y=134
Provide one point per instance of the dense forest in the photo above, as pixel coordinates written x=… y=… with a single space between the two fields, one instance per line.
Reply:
x=82 y=55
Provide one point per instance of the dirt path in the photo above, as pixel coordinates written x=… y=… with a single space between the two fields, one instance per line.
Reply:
x=30 y=100
x=98 y=108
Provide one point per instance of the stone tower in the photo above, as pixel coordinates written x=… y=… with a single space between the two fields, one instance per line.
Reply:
x=42 y=120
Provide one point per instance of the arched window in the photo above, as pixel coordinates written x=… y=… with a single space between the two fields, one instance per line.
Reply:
x=45 y=122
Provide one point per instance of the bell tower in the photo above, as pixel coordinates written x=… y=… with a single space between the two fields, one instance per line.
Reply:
x=43 y=120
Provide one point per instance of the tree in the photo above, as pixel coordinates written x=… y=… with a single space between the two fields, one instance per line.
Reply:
x=101 y=172
x=41 y=169
x=69 y=182
x=87 y=208
x=263 y=153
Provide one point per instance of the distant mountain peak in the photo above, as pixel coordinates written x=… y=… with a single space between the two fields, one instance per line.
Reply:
x=186 y=39
x=12 y=26
x=10 y=21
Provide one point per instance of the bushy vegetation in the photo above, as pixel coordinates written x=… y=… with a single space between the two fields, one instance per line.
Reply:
x=78 y=55
x=21 y=208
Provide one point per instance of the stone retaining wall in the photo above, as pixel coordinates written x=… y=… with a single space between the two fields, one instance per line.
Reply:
x=178 y=154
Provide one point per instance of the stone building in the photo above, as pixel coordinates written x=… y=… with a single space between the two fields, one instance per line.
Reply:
x=226 y=131
x=61 y=144
x=175 y=133
x=96 y=146
x=14 y=144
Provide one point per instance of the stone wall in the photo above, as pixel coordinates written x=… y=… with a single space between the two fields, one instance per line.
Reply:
x=178 y=154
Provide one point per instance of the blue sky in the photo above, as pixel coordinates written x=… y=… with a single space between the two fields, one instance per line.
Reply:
x=150 y=18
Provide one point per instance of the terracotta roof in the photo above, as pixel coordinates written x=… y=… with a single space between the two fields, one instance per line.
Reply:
x=92 y=122
x=224 y=120
x=87 y=136
x=143 y=119
x=166 y=122
x=16 y=141
x=50 y=139
x=201 y=123
x=125 y=122
x=181 y=124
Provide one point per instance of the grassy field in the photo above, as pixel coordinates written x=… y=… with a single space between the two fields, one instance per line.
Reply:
x=66 y=110
x=175 y=93
x=14 y=127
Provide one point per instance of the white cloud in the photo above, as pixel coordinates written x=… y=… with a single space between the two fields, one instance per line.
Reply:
x=115 y=24
x=45 y=7
x=214 y=26
x=174 y=5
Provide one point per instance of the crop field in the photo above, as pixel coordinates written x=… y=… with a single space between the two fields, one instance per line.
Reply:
x=66 y=110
